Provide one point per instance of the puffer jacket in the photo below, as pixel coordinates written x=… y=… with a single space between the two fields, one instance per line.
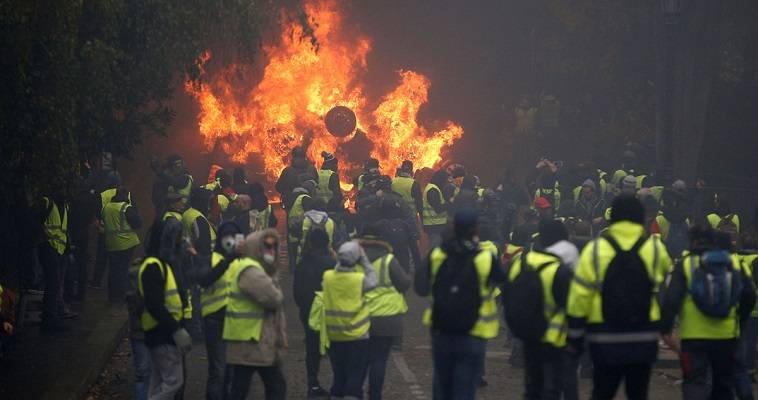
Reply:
x=263 y=288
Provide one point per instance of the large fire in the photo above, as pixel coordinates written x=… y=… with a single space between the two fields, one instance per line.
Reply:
x=300 y=83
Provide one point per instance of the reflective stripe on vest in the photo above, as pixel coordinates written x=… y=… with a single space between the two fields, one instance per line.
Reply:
x=56 y=226
x=488 y=325
x=430 y=217
x=172 y=214
x=403 y=185
x=172 y=301
x=119 y=235
x=188 y=222
x=345 y=309
x=324 y=193
x=384 y=300
x=693 y=324
x=294 y=214
x=244 y=317
x=215 y=296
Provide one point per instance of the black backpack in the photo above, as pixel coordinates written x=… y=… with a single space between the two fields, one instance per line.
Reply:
x=627 y=288
x=524 y=303
x=456 y=296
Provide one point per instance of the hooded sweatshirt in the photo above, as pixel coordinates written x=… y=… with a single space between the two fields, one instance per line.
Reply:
x=261 y=287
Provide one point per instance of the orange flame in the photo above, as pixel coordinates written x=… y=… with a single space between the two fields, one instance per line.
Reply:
x=299 y=85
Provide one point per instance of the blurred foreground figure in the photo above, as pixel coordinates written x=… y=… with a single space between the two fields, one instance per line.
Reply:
x=461 y=279
x=612 y=303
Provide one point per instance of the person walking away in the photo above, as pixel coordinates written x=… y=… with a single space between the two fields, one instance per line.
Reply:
x=535 y=303
x=165 y=338
x=461 y=320
x=120 y=222
x=434 y=213
x=746 y=353
x=199 y=237
x=467 y=196
x=348 y=319
x=136 y=307
x=386 y=302
x=713 y=299
x=329 y=179
x=291 y=177
x=370 y=170
x=315 y=219
x=255 y=324
x=112 y=182
x=612 y=302
x=300 y=200
x=214 y=296
x=407 y=187
x=317 y=258
x=54 y=212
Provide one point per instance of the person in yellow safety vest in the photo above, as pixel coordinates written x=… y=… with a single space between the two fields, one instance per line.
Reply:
x=177 y=177
x=729 y=223
x=621 y=347
x=113 y=181
x=370 y=168
x=549 y=189
x=329 y=179
x=407 y=187
x=435 y=205
x=386 y=302
x=543 y=356
x=161 y=319
x=746 y=353
x=302 y=197
x=709 y=331
x=120 y=221
x=197 y=229
x=315 y=218
x=54 y=212
x=348 y=319
x=459 y=343
x=174 y=206
x=254 y=327
x=214 y=296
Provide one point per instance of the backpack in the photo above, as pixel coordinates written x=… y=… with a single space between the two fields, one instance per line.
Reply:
x=627 y=288
x=715 y=286
x=728 y=226
x=456 y=296
x=524 y=303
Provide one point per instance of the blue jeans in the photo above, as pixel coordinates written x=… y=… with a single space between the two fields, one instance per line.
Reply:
x=457 y=364
x=746 y=359
x=142 y=369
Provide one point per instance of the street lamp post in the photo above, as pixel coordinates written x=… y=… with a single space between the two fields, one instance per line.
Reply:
x=665 y=157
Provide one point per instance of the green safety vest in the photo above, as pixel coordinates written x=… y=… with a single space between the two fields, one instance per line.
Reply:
x=323 y=191
x=488 y=324
x=56 y=226
x=403 y=186
x=640 y=181
x=714 y=220
x=384 y=300
x=555 y=193
x=118 y=234
x=346 y=310
x=430 y=217
x=244 y=317
x=172 y=301
x=295 y=213
x=693 y=324
x=557 y=327
x=361 y=179
x=215 y=296
x=188 y=221
x=307 y=223
x=186 y=190
x=172 y=214
x=747 y=261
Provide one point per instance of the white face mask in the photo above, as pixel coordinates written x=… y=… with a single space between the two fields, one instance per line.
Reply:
x=228 y=243
x=269 y=258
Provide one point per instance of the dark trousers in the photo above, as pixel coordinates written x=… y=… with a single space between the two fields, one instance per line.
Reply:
x=457 y=363
x=312 y=353
x=379 y=348
x=746 y=359
x=51 y=269
x=274 y=385
x=349 y=365
x=118 y=274
x=704 y=359
x=606 y=380
x=570 y=377
x=216 y=349
x=543 y=371
x=101 y=261
x=81 y=263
